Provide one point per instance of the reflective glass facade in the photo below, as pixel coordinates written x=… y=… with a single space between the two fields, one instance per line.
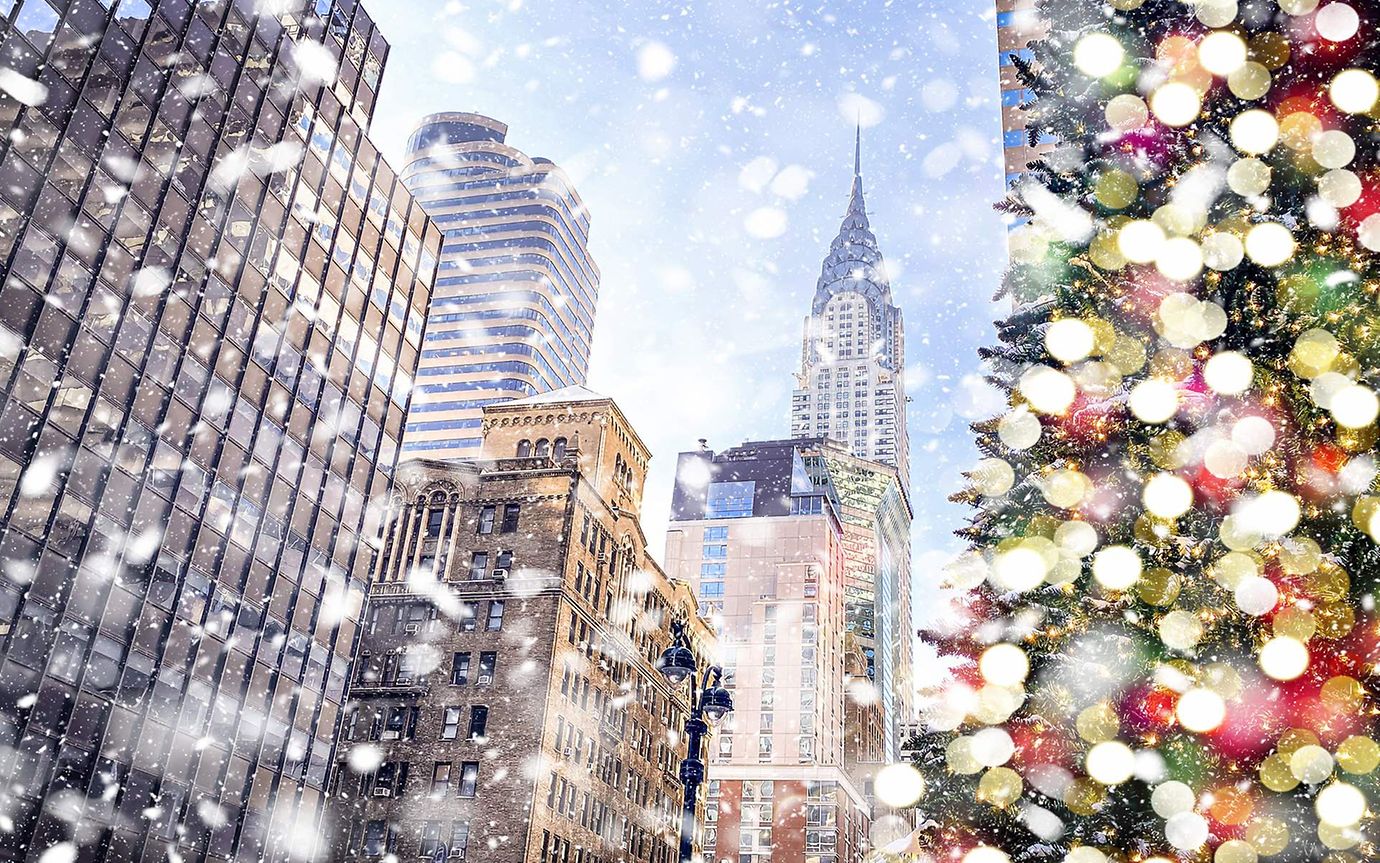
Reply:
x=516 y=290
x=211 y=310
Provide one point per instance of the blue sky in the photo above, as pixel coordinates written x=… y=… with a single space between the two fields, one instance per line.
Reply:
x=712 y=142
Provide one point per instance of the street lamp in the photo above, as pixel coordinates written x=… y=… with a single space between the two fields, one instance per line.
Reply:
x=708 y=707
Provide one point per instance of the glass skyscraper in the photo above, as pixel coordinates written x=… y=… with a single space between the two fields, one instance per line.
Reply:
x=516 y=290
x=212 y=306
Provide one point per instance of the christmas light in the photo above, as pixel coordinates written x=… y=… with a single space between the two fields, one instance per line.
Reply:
x=1171 y=798
x=1004 y=665
x=1201 y=710
x=1186 y=831
x=1167 y=496
x=1176 y=104
x=1337 y=22
x=1098 y=55
x=1222 y=53
x=1141 y=241
x=1254 y=132
x=1069 y=340
x=1340 y=805
x=1284 y=658
x=1269 y=244
x=1048 y=390
x=1249 y=177
x=1354 y=91
x=1116 y=567
x=1111 y=763
x=1228 y=373
x=1154 y=401
x=899 y=786
x=1334 y=149
x=1355 y=407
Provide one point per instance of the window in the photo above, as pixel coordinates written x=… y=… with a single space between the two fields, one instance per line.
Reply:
x=450 y=723
x=543 y=449
x=434 y=518
x=495 y=620
x=376 y=838
x=460 y=670
x=440 y=779
x=524 y=448
x=729 y=499
x=558 y=448
x=389 y=779
x=486 y=520
x=469 y=611
x=714 y=571
x=401 y=723
x=431 y=838
x=505 y=561
x=716 y=551
x=510 y=517
x=479 y=565
x=469 y=778
x=714 y=534
x=487 y=661
x=459 y=839
x=764 y=748
x=479 y=721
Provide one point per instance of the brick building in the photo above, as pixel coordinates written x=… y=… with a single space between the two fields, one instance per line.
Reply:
x=506 y=705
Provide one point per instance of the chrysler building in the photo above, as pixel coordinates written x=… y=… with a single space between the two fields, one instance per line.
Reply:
x=850 y=386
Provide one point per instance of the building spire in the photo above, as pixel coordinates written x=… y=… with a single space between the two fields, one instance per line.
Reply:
x=857 y=150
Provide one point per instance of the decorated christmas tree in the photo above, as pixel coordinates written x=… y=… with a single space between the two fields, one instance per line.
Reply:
x=1171 y=638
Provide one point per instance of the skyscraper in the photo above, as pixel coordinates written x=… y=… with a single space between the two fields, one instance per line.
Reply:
x=507 y=678
x=851 y=389
x=851 y=383
x=757 y=530
x=1018 y=24
x=210 y=318
x=515 y=295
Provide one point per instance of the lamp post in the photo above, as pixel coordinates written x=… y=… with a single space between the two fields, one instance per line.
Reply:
x=709 y=704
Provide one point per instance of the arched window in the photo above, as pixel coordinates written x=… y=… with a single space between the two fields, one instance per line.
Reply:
x=543 y=448
x=558 y=449
x=524 y=448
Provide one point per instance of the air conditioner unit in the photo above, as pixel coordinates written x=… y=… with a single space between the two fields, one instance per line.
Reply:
x=392 y=735
x=485 y=679
x=412 y=628
x=383 y=792
x=402 y=681
x=500 y=574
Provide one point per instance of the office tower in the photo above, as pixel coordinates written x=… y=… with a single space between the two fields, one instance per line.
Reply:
x=515 y=296
x=851 y=383
x=209 y=321
x=1018 y=24
x=758 y=533
x=507 y=688
x=851 y=389
x=876 y=517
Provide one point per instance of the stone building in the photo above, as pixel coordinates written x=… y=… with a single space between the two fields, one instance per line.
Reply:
x=507 y=705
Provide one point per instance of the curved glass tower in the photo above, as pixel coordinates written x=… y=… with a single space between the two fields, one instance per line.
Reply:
x=513 y=311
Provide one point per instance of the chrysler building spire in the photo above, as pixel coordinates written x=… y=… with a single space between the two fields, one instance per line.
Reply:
x=850 y=384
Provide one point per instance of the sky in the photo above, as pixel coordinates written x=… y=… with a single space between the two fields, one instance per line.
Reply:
x=712 y=142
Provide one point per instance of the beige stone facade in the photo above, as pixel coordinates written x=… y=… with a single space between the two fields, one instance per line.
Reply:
x=507 y=677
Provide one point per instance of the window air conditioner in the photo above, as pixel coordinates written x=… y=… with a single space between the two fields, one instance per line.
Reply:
x=412 y=628
x=485 y=679
x=500 y=574
x=383 y=792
